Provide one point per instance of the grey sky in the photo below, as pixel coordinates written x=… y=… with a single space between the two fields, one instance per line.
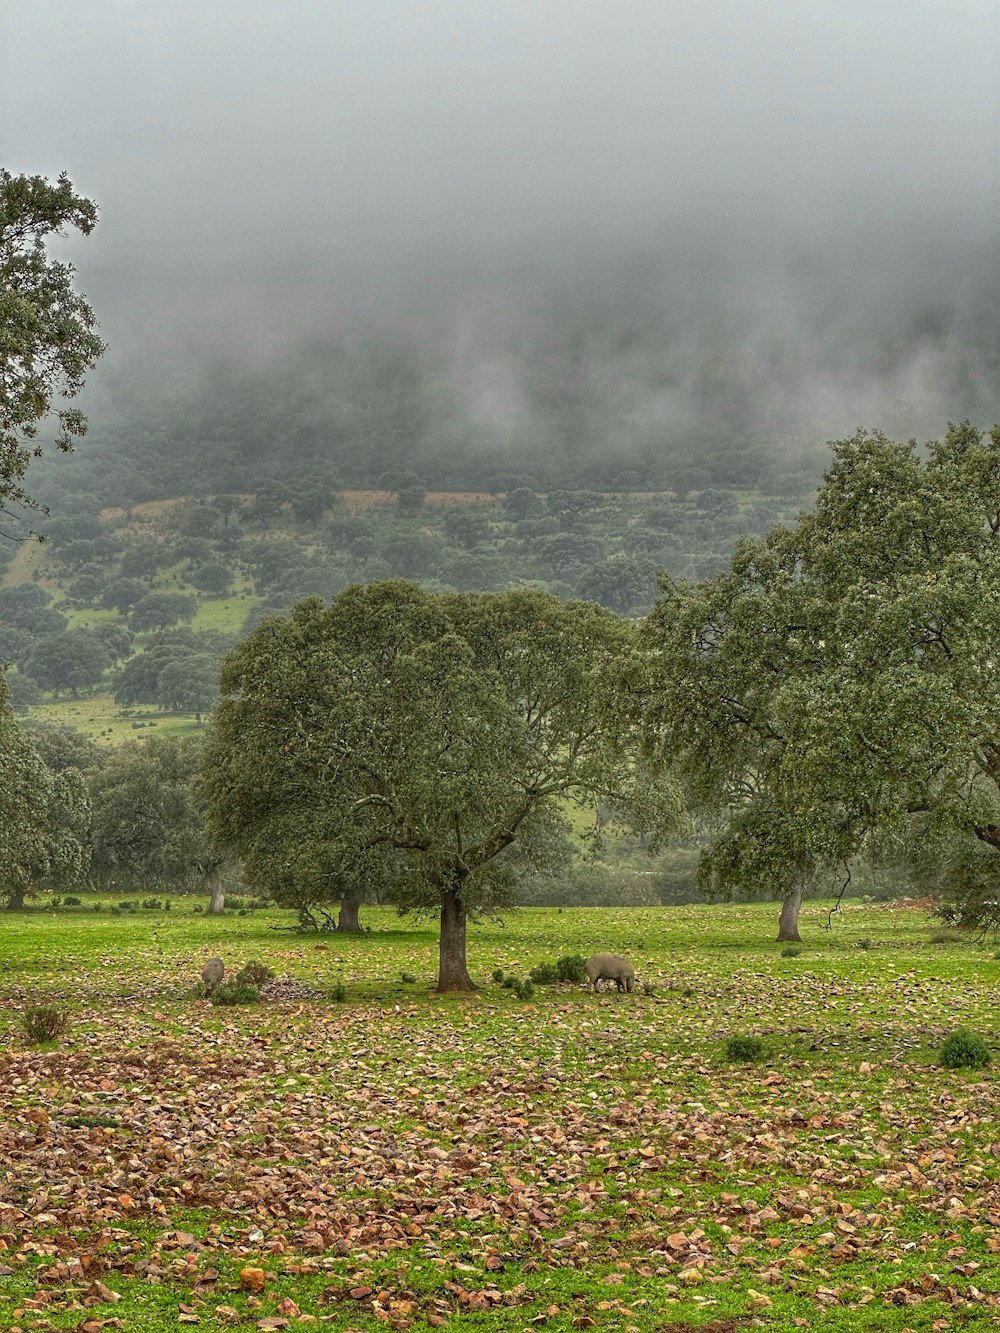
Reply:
x=283 y=161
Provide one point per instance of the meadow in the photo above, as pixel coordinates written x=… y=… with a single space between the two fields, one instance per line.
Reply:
x=400 y=1158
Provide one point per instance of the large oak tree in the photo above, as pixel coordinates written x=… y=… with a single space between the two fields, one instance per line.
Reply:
x=446 y=732
x=840 y=683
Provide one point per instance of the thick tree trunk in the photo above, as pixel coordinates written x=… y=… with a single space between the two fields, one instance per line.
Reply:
x=218 y=891
x=453 y=975
x=788 y=923
x=15 y=903
x=348 y=921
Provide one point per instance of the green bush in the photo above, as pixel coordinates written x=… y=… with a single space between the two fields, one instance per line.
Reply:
x=745 y=1050
x=408 y=979
x=572 y=967
x=254 y=974
x=964 y=1050
x=792 y=951
x=338 y=992
x=42 y=1023
x=509 y=982
x=524 y=990
x=498 y=975
x=545 y=974
x=235 y=992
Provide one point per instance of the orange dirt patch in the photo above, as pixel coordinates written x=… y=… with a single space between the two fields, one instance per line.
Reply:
x=910 y=905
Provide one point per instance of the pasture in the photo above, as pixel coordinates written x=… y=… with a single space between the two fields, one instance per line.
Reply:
x=399 y=1159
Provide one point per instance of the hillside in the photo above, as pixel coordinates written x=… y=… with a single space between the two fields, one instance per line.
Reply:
x=118 y=620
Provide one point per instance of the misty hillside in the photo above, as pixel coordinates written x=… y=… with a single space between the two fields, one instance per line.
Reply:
x=623 y=393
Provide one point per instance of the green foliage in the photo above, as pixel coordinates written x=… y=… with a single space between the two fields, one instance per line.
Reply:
x=524 y=990
x=498 y=975
x=254 y=974
x=408 y=979
x=48 y=328
x=791 y=951
x=338 y=992
x=964 y=1050
x=42 y=1023
x=743 y=1049
x=572 y=967
x=235 y=992
x=839 y=680
x=545 y=974
x=433 y=737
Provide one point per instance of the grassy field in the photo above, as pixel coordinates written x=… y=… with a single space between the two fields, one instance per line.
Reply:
x=577 y=1161
x=100 y=717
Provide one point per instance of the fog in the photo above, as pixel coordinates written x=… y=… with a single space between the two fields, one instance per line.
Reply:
x=808 y=191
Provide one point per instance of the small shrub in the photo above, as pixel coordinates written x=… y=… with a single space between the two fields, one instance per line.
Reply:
x=792 y=951
x=42 y=1023
x=72 y=902
x=338 y=993
x=864 y=944
x=545 y=974
x=235 y=992
x=572 y=967
x=152 y=905
x=945 y=937
x=964 y=1050
x=524 y=990
x=408 y=979
x=254 y=974
x=745 y=1050
x=509 y=982
x=498 y=975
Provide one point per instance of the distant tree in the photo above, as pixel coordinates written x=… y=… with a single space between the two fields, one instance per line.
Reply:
x=15 y=643
x=189 y=684
x=226 y=505
x=123 y=594
x=411 y=500
x=143 y=559
x=19 y=604
x=158 y=610
x=446 y=730
x=465 y=528
x=715 y=501
x=523 y=503
x=623 y=583
x=148 y=820
x=139 y=682
x=569 y=506
x=42 y=813
x=61 y=748
x=88 y=585
x=49 y=338
x=412 y=555
x=198 y=520
x=70 y=661
x=115 y=638
x=312 y=496
x=212 y=577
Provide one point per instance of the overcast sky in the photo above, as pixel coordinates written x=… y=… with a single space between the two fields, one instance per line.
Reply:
x=281 y=163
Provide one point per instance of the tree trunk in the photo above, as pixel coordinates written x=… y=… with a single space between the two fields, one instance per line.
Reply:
x=453 y=975
x=218 y=891
x=15 y=903
x=788 y=924
x=348 y=921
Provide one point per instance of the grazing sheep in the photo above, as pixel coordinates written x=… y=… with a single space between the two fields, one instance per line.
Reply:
x=212 y=973
x=609 y=967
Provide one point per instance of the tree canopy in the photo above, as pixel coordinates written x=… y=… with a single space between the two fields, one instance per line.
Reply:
x=447 y=730
x=838 y=683
x=48 y=340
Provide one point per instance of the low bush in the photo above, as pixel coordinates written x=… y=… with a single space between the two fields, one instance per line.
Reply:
x=235 y=992
x=572 y=967
x=408 y=979
x=43 y=1023
x=964 y=1050
x=498 y=975
x=792 y=951
x=545 y=974
x=524 y=990
x=744 y=1049
x=338 y=992
x=254 y=974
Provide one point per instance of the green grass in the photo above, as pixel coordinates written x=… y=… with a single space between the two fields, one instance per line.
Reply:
x=100 y=717
x=491 y=1163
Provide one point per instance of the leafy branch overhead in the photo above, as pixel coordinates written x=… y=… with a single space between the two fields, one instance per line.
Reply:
x=48 y=338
